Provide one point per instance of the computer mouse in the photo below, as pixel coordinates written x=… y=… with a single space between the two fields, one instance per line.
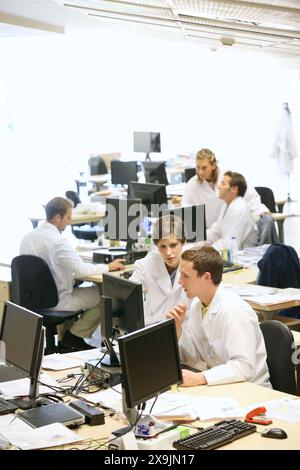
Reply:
x=275 y=433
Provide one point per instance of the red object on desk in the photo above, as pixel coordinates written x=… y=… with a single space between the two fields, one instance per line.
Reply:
x=257 y=416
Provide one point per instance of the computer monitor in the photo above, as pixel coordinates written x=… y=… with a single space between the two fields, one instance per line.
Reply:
x=22 y=334
x=146 y=142
x=150 y=362
x=123 y=172
x=155 y=172
x=194 y=220
x=153 y=196
x=126 y=307
x=122 y=220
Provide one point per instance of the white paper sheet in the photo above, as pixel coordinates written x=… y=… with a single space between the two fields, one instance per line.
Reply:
x=60 y=362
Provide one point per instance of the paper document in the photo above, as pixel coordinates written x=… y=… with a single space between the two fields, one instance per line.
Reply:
x=269 y=299
x=20 y=387
x=46 y=436
x=249 y=290
x=60 y=362
x=111 y=398
x=171 y=405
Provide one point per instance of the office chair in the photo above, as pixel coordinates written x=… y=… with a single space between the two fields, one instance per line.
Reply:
x=267 y=198
x=279 y=341
x=33 y=287
x=81 y=231
x=189 y=173
x=97 y=166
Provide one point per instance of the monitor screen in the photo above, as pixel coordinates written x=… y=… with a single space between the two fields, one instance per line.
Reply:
x=155 y=172
x=123 y=172
x=21 y=332
x=152 y=196
x=194 y=220
x=146 y=142
x=127 y=303
x=150 y=362
x=122 y=219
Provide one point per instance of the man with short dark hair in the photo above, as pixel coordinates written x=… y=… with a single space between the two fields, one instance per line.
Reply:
x=221 y=336
x=48 y=242
x=235 y=219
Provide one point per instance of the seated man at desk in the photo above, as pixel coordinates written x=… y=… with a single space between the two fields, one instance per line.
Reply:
x=221 y=336
x=203 y=189
x=48 y=242
x=158 y=271
x=235 y=219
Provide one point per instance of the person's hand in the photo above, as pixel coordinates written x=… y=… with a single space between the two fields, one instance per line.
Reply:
x=116 y=265
x=192 y=379
x=178 y=313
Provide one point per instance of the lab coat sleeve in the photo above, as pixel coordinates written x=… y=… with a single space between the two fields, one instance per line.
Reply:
x=253 y=201
x=239 y=228
x=239 y=348
x=187 y=198
x=138 y=274
x=67 y=257
x=214 y=232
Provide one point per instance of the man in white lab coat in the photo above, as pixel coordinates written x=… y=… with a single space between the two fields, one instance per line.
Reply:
x=47 y=242
x=203 y=189
x=158 y=271
x=221 y=336
x=235 y=219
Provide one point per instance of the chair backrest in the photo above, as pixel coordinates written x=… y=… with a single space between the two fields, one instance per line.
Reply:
x=73 y=196
x=279 y=341
x=32 y=284
x=189 y=173
x=266 y=230
x=97 y=166
x=267 y=197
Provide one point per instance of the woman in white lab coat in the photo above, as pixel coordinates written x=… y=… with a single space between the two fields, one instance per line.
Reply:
x=203 y=189
x=158 y=271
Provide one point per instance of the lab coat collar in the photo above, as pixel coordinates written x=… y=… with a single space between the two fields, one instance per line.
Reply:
x=213 y=306
x=163 y=276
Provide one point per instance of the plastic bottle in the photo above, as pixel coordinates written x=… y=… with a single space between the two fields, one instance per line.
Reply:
x=148 y=242
x=83 y=190
x=233 y=249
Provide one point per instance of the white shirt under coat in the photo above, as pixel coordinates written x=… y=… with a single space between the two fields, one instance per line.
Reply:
x=235 y=220
x=227 y=344
x=202 y=192
x=160 y=294
x=47 y=242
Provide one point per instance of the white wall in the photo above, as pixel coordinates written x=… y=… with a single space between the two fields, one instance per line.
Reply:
x=67 y=97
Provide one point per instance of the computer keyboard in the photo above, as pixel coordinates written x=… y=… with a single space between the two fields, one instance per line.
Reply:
x=215 y=436
x=6 y=407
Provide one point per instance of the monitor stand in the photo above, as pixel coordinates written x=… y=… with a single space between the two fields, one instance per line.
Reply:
x=147 y=159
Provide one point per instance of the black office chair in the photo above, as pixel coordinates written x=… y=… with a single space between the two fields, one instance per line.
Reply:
x=279 y=340
x=189 y=173
x=81 y=231
x=267 y=197
x=97 y=166
x=33 y=287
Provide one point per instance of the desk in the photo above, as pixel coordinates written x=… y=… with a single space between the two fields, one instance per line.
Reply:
x=245 y=393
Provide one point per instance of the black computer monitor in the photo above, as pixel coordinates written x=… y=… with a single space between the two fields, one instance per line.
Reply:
x=122 y=220
x=194 y=220
x=125 y=308
x=153 y=196
x=123 y=172
x=150 y=362
x=146 y=142
x=155 y=172
x=22 y=335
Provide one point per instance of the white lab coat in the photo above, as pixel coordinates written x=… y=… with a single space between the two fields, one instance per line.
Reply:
x=201 y=192
x=47 y=242
x=227 y=345
x=160 y=295
x=235 y=220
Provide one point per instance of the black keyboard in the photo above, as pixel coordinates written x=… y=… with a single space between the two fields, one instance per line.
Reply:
x=6 y=407
x=215 y=436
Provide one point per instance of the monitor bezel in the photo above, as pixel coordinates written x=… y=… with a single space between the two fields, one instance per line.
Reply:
x=123 y=341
